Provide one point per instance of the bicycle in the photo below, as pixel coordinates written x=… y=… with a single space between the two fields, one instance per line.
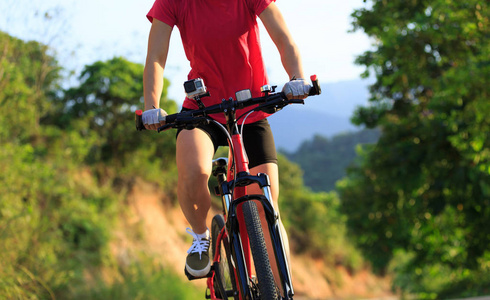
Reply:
x=236 y=234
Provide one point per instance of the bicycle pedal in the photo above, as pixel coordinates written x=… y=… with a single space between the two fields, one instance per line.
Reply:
x=192 y=277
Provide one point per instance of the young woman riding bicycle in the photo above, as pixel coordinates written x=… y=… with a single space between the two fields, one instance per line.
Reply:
x=221 y=41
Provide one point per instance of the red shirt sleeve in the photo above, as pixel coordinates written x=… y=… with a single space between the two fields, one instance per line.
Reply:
x=165 y=11
x=258 y=6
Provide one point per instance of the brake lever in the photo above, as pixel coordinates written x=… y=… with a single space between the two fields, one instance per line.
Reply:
x=185 y=123
x=165 y=127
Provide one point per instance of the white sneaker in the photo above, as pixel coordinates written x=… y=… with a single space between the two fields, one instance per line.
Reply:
x=197 y=262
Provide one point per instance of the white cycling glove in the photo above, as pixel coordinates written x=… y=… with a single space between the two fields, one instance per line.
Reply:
x=297 y=88
x=153 y=116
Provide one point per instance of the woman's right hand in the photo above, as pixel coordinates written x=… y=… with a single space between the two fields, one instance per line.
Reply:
x=154 y=118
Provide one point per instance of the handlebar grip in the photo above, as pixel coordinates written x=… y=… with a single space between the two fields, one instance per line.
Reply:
x=138 y=119
x=315 y=89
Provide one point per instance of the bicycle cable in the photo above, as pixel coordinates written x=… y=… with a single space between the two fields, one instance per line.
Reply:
x=232 y=151
x=244 y=119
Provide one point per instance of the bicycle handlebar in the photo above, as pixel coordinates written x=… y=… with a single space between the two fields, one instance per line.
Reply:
x=269 y=103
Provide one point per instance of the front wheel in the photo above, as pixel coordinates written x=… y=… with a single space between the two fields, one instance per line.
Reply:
x=267 y=286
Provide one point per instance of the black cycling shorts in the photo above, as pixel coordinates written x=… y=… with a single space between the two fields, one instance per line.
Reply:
x=257 y=140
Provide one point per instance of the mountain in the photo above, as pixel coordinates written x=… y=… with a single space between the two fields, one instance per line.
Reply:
x=327 y=114
x=295 y=124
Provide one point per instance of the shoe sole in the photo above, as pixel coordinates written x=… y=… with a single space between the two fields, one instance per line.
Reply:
x=199 y=273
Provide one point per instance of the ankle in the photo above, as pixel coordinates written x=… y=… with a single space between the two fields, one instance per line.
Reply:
x=204 y=235
x=199 y=234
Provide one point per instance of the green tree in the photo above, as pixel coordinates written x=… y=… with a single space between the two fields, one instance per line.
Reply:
x=423 y=192
x=56 y=211
x=48 y=228
x=104 y=104
x=313 y=221
x=328 y=159
x=28 y=78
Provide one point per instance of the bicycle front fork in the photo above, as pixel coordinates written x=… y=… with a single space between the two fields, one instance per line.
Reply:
x=272 y=217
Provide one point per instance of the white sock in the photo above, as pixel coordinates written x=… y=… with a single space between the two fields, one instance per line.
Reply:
x=204 y=235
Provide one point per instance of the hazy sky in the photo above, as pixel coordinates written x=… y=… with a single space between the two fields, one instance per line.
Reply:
x=100 y=29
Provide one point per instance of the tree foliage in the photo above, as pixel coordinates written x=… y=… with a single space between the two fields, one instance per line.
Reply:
x=110 y=92
x=48 y=224
x=28 y=76
x=58 y=202
x=313 y=220
x=423 y=192
x=325 y=160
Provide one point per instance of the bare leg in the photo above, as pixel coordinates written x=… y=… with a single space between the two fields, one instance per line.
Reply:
x=194 y=154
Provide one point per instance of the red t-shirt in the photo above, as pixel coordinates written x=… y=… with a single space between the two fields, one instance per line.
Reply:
x=221 y=41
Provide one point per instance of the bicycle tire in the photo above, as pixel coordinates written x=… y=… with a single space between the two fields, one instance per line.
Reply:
x=266 y=283
x=226 y=285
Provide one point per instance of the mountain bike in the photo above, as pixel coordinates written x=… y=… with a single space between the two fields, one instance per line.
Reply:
x=237 y=238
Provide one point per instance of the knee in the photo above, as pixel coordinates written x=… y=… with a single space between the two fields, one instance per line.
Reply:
x=193 y=178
